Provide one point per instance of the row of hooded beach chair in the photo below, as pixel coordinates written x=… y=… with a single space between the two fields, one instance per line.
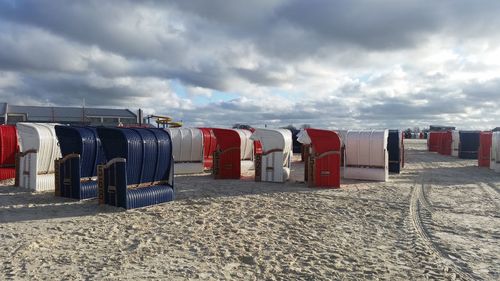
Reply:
x=462 y=144
x=363 y=155
x=232 y=152
x=125 y=167
x=71 y=161
x=81 y=158
x=480 y=145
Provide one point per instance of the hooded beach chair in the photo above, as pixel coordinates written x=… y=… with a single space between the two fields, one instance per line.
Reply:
x=76 y=171
x=469 y=144
x=140 y=167
x=8 y=150
x=323 y=157
x=366 y=155
x=233 y=154
x=395 y=149
x=187 y=147
x=273 y=165
x=484 y=153
x=35 y=161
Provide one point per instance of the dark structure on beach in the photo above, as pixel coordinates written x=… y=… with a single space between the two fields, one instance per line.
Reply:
x=11 y=114
x=434 y=128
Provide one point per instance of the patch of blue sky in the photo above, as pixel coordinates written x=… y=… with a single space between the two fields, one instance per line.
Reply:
x=289 y=95
x=364 y=77
x=178 y=88
x=218 y=96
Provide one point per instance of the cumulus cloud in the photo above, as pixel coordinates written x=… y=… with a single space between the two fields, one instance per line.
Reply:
x=335 y=64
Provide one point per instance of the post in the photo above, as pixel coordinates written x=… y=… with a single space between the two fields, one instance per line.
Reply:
x=310 y=163
x=57 y=180
x=305 y=157
x=18 y=169
x=100 y=184
x=216 y=164
x=258 y=167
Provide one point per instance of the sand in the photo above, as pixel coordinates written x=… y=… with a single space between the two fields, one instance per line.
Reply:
x=439 y=219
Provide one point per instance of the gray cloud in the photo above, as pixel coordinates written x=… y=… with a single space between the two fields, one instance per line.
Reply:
x=480 y=93
x=336 y=64
x=104 y=24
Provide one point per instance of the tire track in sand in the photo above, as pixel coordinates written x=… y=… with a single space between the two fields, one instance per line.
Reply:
x=491 y=192
x=417 y=201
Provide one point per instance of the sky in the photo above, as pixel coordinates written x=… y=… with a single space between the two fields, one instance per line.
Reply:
x=329 y=64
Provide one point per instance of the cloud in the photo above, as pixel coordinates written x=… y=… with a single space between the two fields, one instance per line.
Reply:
x=331 y=64
x=34 y=49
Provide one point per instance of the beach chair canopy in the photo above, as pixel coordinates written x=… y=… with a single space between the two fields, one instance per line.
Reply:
x=38 y=150
x=140 y=170
x=8 y=144
x=469 y=144
x=323 y=163
x=209 y=146
x=40 y=137
x=274 y=162
x=275 y=139
x=246 y=144
x=484 y=153
x=148 y=152
x=455 y=143
x=446 y=144
x=8 y=150
x=187 y=144
x=228 y=154
x=395 y=150
x=366 y=155
x=85 y=142
x=434 y=141
x=495 y=152
x=343 y=135
x=366 y=148
x=76 y=171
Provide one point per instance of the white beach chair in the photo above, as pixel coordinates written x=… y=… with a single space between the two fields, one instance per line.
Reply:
x=273 y=165
x=366 y=155
x=39 y=150
x=187 y=148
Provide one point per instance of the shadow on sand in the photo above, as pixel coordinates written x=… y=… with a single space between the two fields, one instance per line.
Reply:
x=17 y=204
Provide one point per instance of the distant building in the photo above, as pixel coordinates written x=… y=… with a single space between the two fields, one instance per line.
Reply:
x=11 y=114
x=433 y=128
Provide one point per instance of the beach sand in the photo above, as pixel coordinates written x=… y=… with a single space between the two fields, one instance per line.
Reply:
x=438 y=219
